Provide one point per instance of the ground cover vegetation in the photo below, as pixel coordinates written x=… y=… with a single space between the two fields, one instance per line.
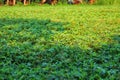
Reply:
x=70 y=42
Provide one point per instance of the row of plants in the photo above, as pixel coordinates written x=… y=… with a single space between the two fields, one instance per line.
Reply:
x=98 y=2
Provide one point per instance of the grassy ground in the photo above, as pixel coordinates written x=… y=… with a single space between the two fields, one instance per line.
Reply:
x=60 y=42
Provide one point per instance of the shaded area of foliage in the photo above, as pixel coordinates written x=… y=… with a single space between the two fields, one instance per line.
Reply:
x=28 y=51
x=21 y=34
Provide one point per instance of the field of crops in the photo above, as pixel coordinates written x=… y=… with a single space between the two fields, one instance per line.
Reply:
x=60 y=42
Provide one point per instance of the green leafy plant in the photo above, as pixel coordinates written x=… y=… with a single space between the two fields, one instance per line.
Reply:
x=59 y=42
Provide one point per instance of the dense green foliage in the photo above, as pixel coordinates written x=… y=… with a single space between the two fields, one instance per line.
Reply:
x=60 y=42
x=108 y=2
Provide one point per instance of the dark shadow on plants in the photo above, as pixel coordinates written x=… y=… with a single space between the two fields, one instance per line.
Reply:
x=27 y=52
x=116 y=38
x=26 y=35
x=106 y=60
